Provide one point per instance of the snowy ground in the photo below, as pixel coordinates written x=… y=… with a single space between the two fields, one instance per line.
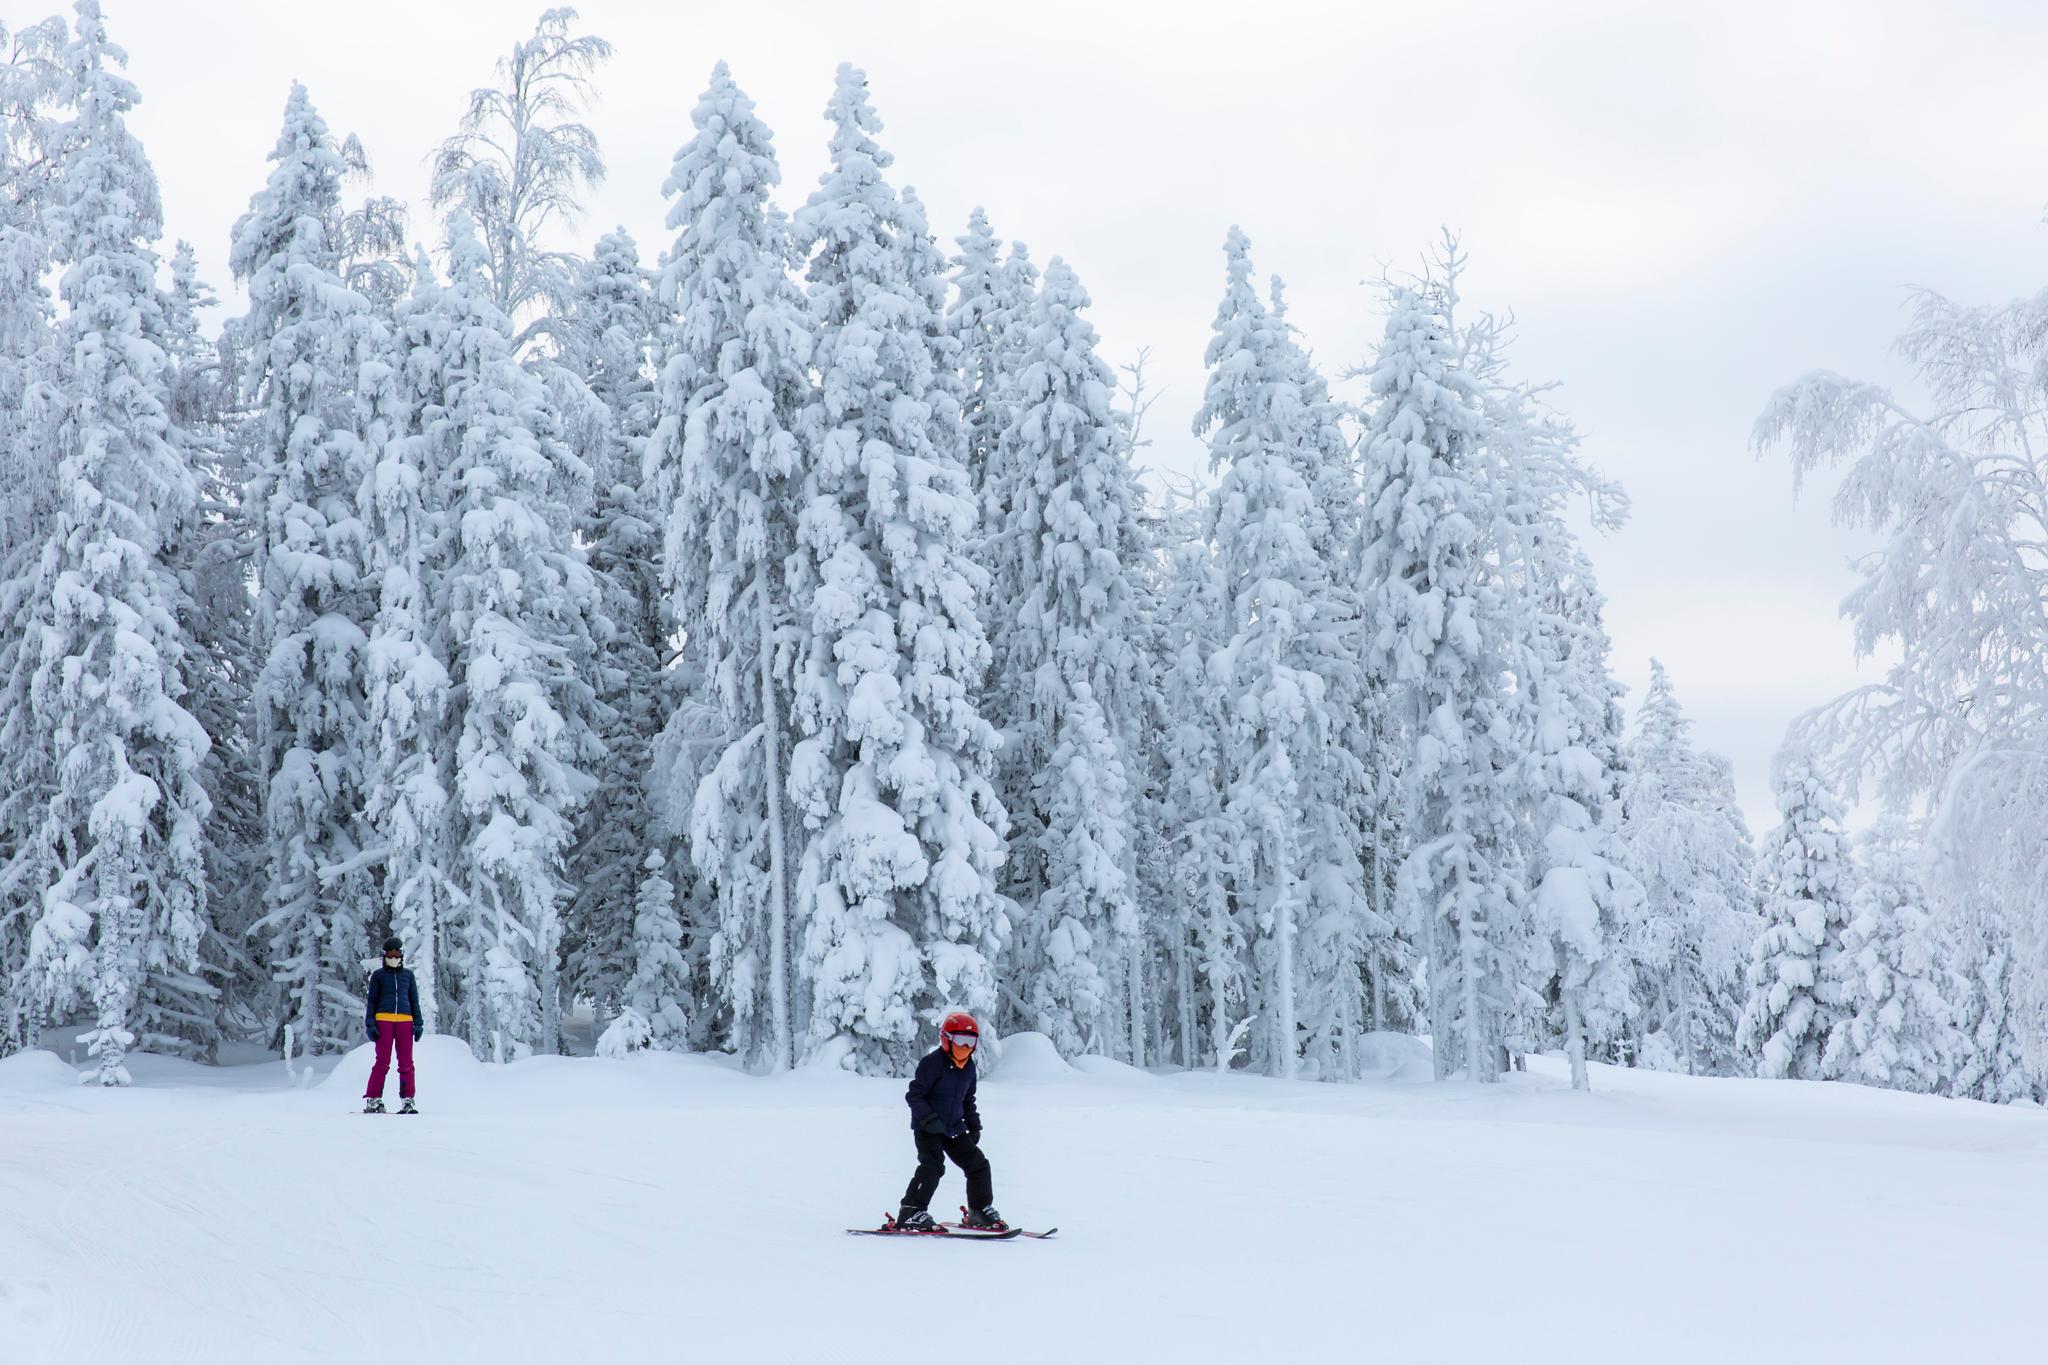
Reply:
x=671 y=1209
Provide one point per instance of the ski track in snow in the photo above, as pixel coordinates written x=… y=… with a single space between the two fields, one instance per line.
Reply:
x=668 y=1208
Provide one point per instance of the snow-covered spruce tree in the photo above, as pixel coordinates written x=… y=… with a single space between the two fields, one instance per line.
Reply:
x=1069 y=673
x=1278 y=619
x=306 y=334
x=727 y=469
x=404 y=414
x=1897 y=990
x=1686 y=843
x=29 y=81
x=1433 y=604
x=1206 y=925
x=659 y=989
x=518 y=599
x=1794 y=969
x=127 y=809
x=1352 y=965
x=1958 y=496
x=989 y=321
x=180 y=1011
x=1586 y=905
x=520 y=164
x=606 y=339
x=891 y=775
x=1991 y=1062
x=985 y=310
x=993 y=334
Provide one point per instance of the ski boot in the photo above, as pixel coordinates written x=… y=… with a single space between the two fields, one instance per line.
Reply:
x=408 y=1107
x=375 y=1106
x=983 y=1220
x=909 y=1219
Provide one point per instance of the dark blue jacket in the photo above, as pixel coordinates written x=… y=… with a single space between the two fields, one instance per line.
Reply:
x=393 y=991
x=946 y=1092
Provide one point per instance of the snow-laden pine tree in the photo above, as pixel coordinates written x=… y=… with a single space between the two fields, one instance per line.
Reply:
x=124 y=825
x=29 y=82
x=520 y=163
x=1991 y=1063
x=1199 y=916
x=989 y=320
x=891 y=775
x=185 y=1011
x=659 y=989
x=1262 y=519
x=1794 y=969
x=407 y=775
x=306 y=334
x=1070 y=682
x=727 y=470
x=1350 y=956
x=1897 y=991
x=517 y=598
x=1436 y=635
x=1587 y=901
x=992 y=334
x=1685 y=841
x=984 y=311
x=606 y=339
x=1586 y=905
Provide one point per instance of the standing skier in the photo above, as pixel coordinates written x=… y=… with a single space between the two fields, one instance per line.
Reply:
x=392 y=1015
x=946 y=1123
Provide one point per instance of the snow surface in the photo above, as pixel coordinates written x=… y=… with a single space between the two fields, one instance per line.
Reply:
x=669 y=1208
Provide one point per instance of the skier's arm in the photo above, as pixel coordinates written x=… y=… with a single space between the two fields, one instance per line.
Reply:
x=370 y=1008
x=919 y=1095
x=971 y=1111
x=419 y=1007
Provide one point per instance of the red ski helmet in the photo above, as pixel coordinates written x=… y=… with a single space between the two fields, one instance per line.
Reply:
x=959 y=1021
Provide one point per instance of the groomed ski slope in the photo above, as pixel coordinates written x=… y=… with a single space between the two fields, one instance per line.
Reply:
x=672 y=1209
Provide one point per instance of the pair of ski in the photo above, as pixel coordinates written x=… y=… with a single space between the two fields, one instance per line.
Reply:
x=957 y=1231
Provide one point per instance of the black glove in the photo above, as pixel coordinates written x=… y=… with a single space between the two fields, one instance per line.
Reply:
x=974 y=1136
x=419 y=1031
x=936 y=1126
x=371 y=1034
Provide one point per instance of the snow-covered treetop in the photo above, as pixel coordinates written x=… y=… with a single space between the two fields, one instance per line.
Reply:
x=292 y=216
x=1242 y=402
x=1807 y=855
x=847 y=219
x=977 y=277
x=719 y=187
x=1417 y=553
x=108 y=202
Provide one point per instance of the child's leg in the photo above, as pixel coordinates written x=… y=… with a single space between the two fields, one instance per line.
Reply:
x=980 y=1183
x=383 y=1065
x=931 y=1166
x=402 y=1033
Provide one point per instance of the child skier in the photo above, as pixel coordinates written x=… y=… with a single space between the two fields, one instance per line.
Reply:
x=392 y=1015
x=946 y=1123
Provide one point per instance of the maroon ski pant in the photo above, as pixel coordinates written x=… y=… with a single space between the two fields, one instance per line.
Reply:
x=390 y=1031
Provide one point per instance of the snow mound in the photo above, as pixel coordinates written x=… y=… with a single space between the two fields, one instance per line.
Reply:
x=1111 y=1069
x=28 y=1073
x=1395 y=1057
x=834 y=1054
x=444 y=1063
x=1027 y=1056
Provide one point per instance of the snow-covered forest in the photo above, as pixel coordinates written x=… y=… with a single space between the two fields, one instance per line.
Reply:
x=766 y=640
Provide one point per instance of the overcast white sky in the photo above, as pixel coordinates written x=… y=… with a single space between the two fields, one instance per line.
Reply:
x=1686 y=206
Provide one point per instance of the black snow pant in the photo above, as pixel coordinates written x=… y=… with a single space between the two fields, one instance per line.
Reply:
x=932 y=1151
